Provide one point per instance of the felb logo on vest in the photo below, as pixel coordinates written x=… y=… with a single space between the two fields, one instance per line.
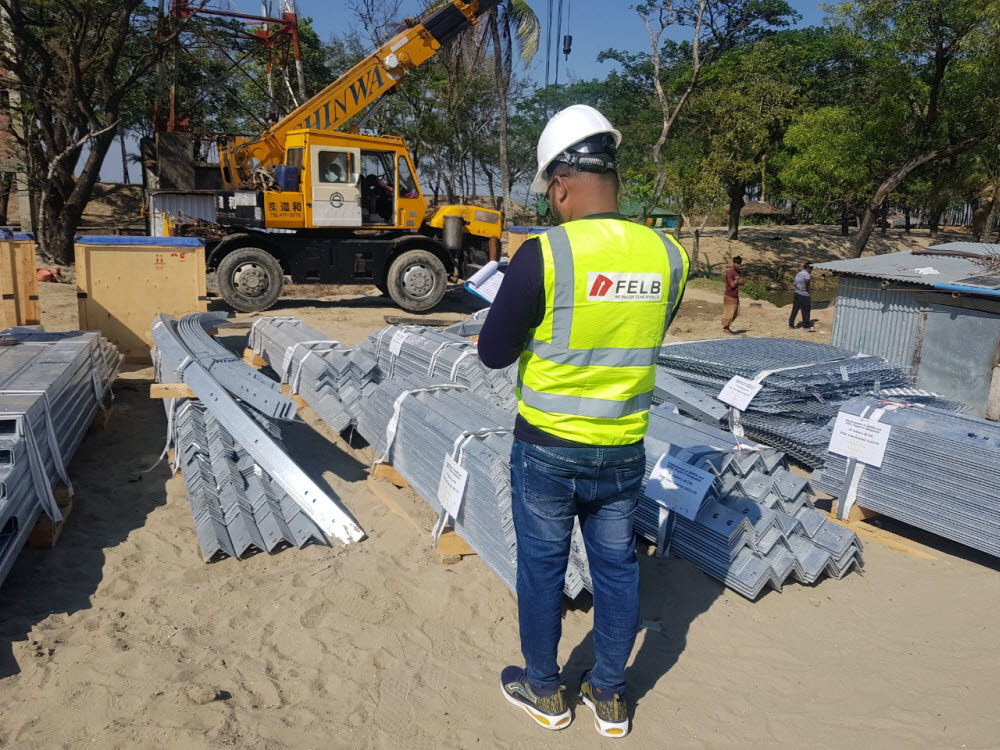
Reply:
x=625 y=287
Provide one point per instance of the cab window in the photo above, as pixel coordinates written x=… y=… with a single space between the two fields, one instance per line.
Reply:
x=407 y=185
x=335 y=167
x=293 y=157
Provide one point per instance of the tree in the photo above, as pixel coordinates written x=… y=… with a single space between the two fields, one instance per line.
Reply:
x=73 y=64
x=716 y=27
x=511 y=24
x=933 y=75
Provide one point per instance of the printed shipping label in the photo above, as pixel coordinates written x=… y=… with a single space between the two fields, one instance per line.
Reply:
x=396 y=345
x=451 y=488
x=739 y=392
x=678 y=486
x=625 y=287
x=862 y=439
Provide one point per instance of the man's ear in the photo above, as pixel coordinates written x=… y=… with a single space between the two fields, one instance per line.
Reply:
x=559 y=190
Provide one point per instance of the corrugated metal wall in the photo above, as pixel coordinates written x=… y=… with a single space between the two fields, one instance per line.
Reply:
x=874 y=320
x=179 y=205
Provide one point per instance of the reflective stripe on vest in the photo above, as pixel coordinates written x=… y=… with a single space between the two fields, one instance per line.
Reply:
x=594 y=384
x=559 y=350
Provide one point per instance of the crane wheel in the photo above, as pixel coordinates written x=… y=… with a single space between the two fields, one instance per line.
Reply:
x=417 y=280
x=250 y=279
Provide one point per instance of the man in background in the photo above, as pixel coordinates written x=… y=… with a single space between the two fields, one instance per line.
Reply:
x=731 y=300
x=802 y=299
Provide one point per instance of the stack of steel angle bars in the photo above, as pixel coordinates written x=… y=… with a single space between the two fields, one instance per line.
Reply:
x=52 y=386
x=415 y=424
x=438 y=356
x=238 y=509
x=940 y=472
x=757 y=526
x=803 y=384
x=246 y=493
x=331 y=378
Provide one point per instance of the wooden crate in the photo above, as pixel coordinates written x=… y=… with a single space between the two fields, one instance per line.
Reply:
x=19 y=304
x=124 y=282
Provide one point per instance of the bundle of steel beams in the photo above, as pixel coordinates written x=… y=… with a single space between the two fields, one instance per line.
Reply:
x=332 y=378
x=802 y=383
x=940 y=472
x=238 y=509
x=180 y=356
x=756 y=526
x=52 y=386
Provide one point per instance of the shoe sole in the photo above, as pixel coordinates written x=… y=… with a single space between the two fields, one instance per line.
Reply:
x=545 y=721
x=604 y=728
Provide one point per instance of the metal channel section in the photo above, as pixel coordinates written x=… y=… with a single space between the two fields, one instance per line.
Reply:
x=940 y=473
x=177 y=359
x=51 y=386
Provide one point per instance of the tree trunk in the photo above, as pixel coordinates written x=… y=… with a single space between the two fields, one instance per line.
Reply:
x=502 y=82
x=735 y=191
x=6 y=181
x=694 y=253
x=885 y=218
x=125 y=180
x=980 y=216
x=893 y=182
x=844 y=221
x=906 y=214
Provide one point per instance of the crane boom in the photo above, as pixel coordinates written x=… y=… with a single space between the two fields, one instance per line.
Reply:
x=357 y=89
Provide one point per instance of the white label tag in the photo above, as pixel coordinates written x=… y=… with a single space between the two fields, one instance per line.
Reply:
x=624 y=287
x=396 y=345
x=678 y=486
x=451 y=488
x=739 y=392
x=862 y=439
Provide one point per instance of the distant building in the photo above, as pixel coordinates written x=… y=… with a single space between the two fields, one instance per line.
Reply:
x=658 y=218
x=935 y=311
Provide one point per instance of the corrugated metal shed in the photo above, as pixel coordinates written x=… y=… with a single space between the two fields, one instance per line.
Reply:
x=876 y=321
x=975 y=248
x=179 y=205
x=922 y=269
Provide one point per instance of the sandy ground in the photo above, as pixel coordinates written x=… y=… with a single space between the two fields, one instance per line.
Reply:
x=122 y=637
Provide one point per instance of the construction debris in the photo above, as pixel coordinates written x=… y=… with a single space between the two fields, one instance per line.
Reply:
x=940 y=472
x=53 y=385
x=179 y=358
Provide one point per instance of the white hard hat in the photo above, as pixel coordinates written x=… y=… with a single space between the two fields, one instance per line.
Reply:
x=567 y=128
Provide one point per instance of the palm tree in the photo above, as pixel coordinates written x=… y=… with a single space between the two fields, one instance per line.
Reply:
x=511 y=24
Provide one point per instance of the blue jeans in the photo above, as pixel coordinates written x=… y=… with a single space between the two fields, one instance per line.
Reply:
x=551 y=487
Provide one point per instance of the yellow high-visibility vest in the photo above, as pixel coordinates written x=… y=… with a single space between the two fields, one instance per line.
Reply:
x=588 y=371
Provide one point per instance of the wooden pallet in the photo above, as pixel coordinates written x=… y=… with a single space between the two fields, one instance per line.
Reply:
x=857 y=521
x=252 y=359
x=451 y=547
x=47 y=532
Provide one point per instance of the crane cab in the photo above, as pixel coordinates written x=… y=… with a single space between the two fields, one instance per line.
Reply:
x=344 y=181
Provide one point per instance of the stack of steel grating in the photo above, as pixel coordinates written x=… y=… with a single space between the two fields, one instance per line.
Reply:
x=757 y=525
x=238 y=509
x=437 y=357
x=433 y=421
x=940 y=472
x=53 y=385
x=803 y=384
x=332 y=378
x=182 y=356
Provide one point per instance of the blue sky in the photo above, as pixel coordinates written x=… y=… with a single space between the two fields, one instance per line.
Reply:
x=596 y=25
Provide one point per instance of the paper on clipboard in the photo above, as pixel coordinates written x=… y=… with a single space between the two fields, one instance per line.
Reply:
x=485 y=283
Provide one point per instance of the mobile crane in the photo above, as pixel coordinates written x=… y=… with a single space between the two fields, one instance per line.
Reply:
x=350 y=205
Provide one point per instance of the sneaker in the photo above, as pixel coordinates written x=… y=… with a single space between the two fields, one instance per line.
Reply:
x=549 y=711
x=610 y=715
x=811 y=330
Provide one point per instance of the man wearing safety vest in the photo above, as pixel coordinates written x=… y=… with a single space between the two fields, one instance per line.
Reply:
x=583 y=309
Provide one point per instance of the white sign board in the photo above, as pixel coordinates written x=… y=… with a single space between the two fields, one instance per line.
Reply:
x=451 y=488
x=678 y=486
x=861 y=439
x=739 y=392
x=396 y=345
